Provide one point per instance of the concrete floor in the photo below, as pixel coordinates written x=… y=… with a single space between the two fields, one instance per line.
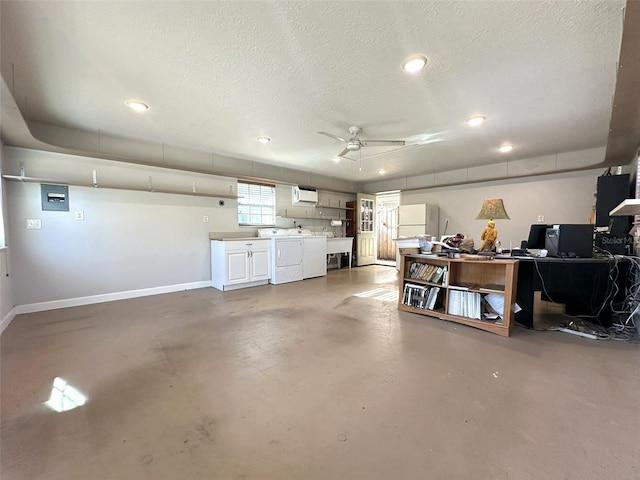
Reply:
x=309 y=381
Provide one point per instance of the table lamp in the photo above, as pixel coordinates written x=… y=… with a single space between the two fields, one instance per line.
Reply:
x=492 y=209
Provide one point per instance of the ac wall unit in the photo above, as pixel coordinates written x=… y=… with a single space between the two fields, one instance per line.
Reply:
x=304 y=195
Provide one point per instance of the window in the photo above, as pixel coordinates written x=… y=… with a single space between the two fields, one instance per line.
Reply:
x=256 y=204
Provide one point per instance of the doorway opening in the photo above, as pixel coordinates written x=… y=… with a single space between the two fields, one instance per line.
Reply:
x=386 y=227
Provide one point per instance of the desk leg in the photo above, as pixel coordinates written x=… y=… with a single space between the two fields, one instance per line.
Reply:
x=526 y=287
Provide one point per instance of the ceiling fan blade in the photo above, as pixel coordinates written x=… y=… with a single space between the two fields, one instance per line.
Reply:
x=343 y=153
x=332 y=136
x=382 y=143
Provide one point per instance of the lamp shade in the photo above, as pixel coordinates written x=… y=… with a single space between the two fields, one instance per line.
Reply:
x=492 y=208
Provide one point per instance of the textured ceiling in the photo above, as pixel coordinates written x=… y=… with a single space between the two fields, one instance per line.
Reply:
x=219 y=74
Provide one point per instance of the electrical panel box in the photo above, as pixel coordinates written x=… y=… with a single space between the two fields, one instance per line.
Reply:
x=55 y=197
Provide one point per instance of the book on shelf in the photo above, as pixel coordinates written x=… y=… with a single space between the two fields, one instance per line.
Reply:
x=439 y=274
x=492 y=288
x=420 y=296
x=433 y=296
x=427 y=272
x=496 y=301
x=463 y=286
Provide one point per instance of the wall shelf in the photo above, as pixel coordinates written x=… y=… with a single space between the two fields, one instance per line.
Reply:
x=330 y=206
x=18 y=178
x=626 y=207
x=302 y=217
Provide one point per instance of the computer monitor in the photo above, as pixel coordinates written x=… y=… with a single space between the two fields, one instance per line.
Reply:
x=537 y=236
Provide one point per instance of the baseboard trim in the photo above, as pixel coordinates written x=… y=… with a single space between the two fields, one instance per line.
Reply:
x=4 y=323
x=107 y=297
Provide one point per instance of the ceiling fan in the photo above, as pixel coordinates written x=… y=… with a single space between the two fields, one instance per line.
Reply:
x=354 y=144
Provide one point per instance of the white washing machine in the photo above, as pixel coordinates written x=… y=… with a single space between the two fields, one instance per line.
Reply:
x=286 y=255
x=314 y=252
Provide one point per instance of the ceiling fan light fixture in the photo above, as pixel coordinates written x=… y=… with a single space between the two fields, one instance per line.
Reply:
x=263 y=139
x=505 y=148
x=137 y=106
x=476 y=120
x=415 y=64
x=353 y=146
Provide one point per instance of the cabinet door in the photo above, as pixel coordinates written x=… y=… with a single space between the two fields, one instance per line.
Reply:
x=237 y=270
x=260 y=265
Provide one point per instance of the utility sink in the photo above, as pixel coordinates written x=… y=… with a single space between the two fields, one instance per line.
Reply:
x=339 y=244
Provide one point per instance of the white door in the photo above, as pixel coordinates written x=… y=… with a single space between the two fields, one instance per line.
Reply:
x=288 y=252
x=260 y=264
x=237 y=266
x=366 y=237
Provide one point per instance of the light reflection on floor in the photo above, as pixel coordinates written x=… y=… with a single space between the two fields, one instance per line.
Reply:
x=383 y=294
x=64 y=397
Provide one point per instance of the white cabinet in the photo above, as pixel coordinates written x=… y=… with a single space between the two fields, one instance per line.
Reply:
x=239 y=263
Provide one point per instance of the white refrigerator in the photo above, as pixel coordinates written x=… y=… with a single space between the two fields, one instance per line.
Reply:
x=418 y=220
x=415 y=221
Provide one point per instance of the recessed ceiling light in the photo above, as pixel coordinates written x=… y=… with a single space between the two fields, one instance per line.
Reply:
x=475 y=121
x=137 y=105
x=263 y=139
x=505 y=148
x=381 y=172
x=415 y=64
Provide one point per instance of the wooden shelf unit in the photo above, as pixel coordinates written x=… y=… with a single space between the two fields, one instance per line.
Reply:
x=465 y=275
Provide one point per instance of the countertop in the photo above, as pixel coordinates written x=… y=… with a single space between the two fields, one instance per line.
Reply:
x=222 y=236
x=225 y=237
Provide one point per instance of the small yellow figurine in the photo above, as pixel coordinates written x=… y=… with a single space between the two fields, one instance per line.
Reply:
x=489 y=236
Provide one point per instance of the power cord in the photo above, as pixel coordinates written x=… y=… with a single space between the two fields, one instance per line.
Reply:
x=626 y=330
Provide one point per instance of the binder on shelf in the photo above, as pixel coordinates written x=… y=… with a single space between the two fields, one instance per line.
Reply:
x=464 y=303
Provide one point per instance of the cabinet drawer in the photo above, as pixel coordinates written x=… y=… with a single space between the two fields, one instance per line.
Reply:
x=258 y=243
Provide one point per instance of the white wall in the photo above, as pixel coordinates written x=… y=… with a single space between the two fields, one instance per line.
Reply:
x=6 y=291
x=130 y=242
x=561 y=198
x=6 y=280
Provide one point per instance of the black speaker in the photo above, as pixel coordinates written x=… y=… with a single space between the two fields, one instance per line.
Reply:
x=612 y=189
